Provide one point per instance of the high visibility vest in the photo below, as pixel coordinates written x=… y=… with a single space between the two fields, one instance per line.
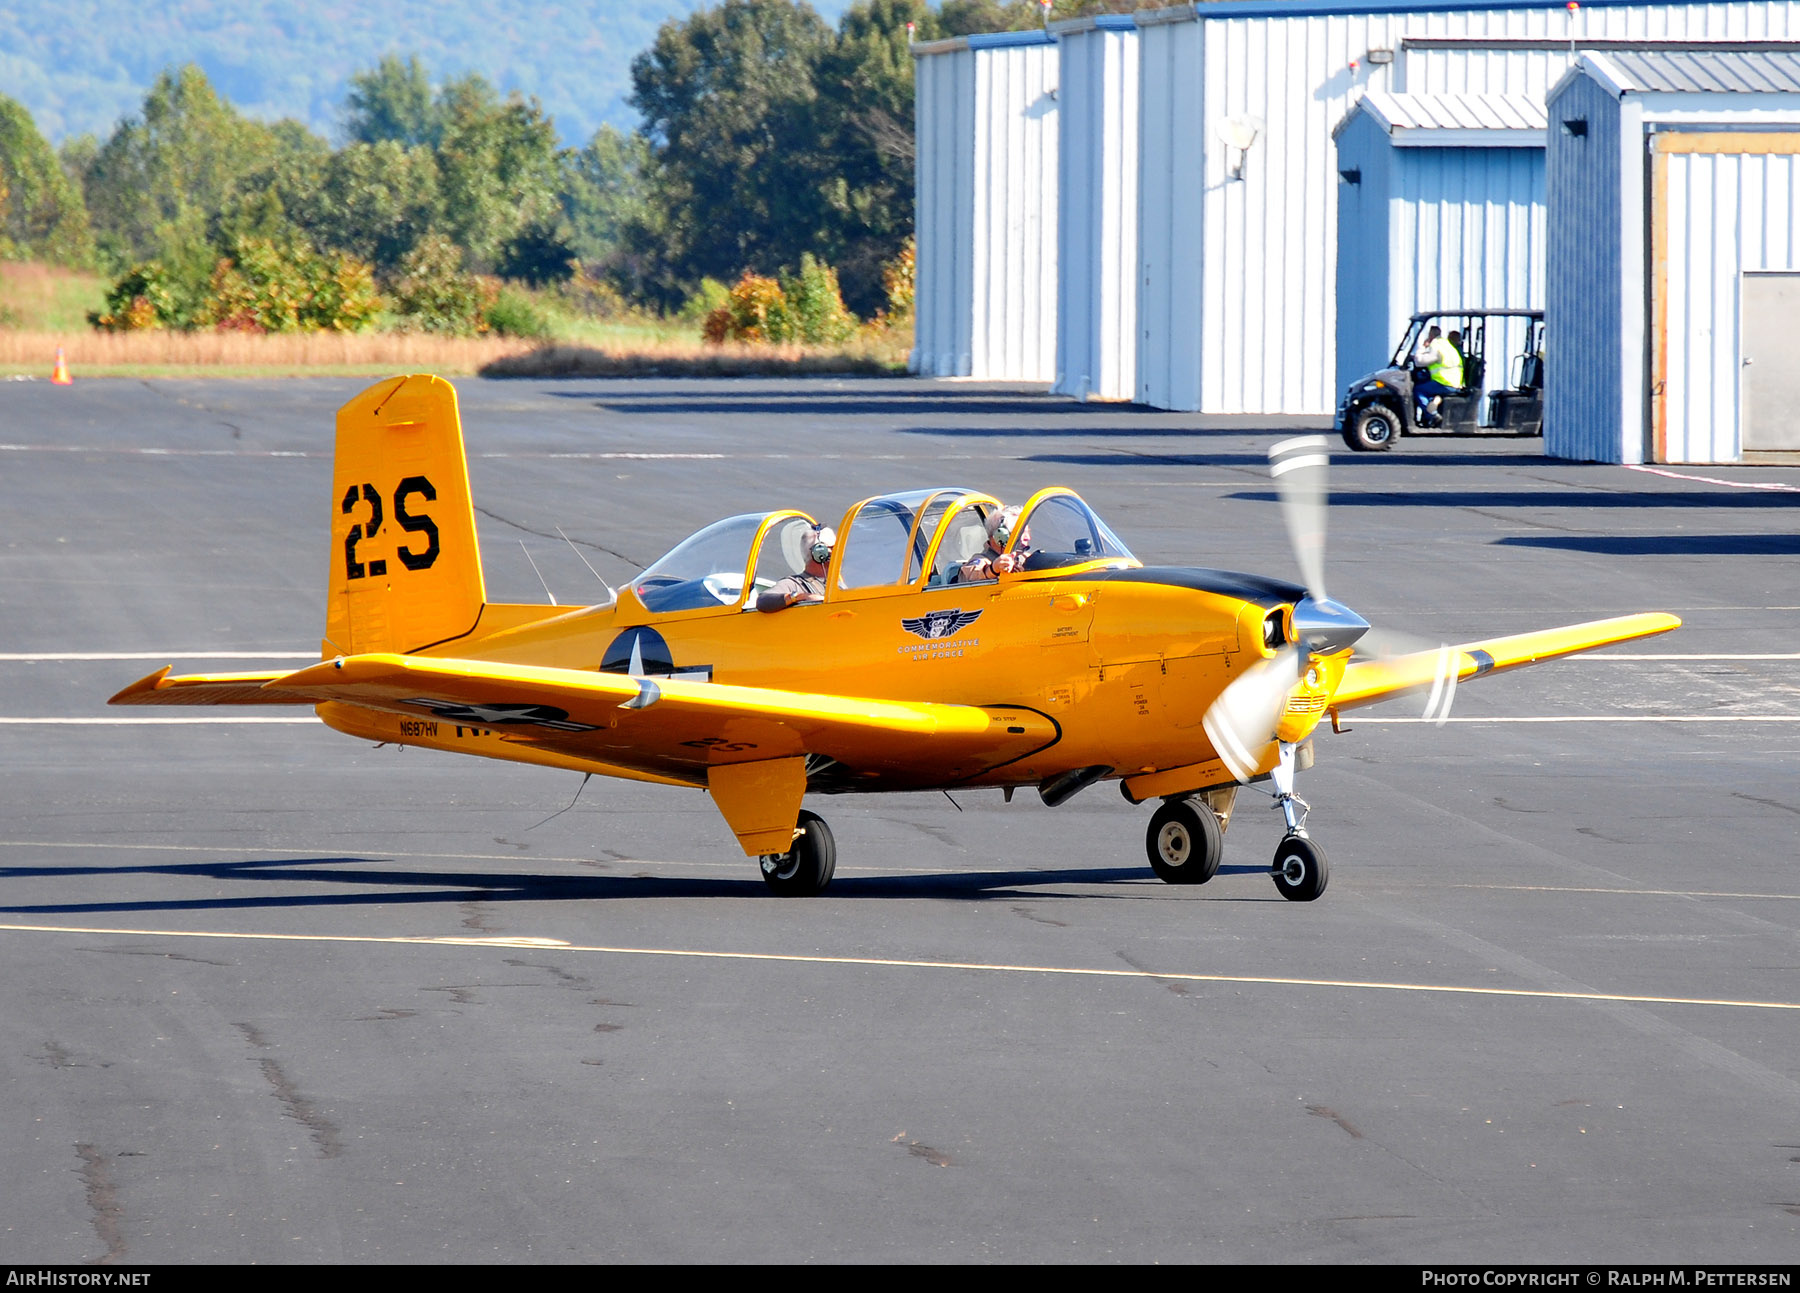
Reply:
x=1447 y=364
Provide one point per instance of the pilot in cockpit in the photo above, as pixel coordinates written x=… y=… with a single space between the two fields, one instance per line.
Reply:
x=809 y=584
x=991 y=561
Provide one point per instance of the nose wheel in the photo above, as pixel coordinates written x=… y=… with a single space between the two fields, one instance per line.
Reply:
x=1300 y=869
x=807 y=867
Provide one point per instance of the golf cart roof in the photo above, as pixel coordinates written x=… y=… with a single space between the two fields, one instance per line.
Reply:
x=1422 y=315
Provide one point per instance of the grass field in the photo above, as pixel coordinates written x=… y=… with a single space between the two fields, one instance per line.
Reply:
x=48 y=298
x=44 y=308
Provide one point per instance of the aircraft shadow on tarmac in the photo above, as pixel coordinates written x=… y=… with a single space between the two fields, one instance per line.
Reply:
x=1255 y=460
x=377 y=886
x=1134 y=430
x=833 y=403
x=1553 y=497
x=1665 y=545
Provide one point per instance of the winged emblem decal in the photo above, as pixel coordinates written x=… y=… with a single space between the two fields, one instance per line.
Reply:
x=941 y=624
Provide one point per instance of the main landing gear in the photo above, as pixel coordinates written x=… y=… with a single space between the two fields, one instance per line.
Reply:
x=1186 y=840
x=806 y=868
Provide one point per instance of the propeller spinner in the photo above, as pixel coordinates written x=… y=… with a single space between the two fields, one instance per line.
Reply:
x=1243 y=722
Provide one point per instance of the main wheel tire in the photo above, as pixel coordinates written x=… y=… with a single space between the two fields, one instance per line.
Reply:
x=1372 y=428
x=1184 y=842
x=807 y=867
x=1300 y=869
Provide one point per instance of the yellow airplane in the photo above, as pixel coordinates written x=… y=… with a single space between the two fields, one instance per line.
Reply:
x=1080 y=666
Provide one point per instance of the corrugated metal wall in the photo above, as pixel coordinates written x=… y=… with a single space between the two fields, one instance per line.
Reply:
x=1468 y=229
x=944 y=213
x=1097 y=262
x=1172 y=179
x=1727 y=214
x=1585 y=289
x=1441 y=228
x=1263 y=339
x=986 y=208
x=1366 y=287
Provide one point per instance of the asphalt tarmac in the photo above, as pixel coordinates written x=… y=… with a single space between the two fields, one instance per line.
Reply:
x=270 y=995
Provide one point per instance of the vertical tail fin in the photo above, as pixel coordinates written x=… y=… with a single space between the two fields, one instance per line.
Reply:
x=405 y=566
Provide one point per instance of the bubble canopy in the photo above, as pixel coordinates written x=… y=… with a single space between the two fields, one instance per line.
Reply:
x=915 y=538
x=707 y=570
x=1057 y=529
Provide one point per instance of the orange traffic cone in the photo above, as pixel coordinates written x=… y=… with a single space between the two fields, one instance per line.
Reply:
x=60 y=374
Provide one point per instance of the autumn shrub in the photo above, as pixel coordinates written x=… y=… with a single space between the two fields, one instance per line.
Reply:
x=707 y=298
x=344 y=295
x=590 y=296
x=515 y=313
x=757 y=311
x=815 y=305
x=262 y=285
x=433 y=293
x=806 y=308
x=143 y=297
x=899 y=277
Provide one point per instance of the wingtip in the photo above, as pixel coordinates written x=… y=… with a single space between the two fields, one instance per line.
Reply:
x=148 y=685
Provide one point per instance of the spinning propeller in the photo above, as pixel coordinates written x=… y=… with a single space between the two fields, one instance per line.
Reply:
x=1242 y=723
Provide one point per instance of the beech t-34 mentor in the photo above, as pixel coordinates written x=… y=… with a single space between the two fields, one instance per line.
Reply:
x=1083 y=665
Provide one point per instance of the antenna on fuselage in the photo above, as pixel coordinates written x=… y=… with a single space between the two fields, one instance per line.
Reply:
x=539 y=574
x=590 y=565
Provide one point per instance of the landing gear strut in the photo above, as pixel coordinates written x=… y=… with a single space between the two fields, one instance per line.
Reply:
x=806 y=868
x=1299 y=869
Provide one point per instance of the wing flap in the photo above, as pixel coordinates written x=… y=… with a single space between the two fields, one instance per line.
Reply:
x=1367 y=681
x=677 y=727
x=205 y=689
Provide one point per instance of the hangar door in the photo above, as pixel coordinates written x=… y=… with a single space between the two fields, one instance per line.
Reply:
x=1725 y=250
x=1771 y=368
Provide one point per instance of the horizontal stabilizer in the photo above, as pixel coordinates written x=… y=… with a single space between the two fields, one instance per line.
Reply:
x=206 y=689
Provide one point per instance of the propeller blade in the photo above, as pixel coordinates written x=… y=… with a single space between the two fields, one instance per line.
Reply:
x=1241 y=721
x=1391 y=644
x=1299 y=467
x=1385 y=644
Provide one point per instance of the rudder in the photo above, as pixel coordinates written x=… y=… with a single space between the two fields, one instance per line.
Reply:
x=405 y=564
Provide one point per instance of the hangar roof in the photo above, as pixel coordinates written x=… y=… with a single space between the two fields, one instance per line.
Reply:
x=1678 y=73
x=1454 y=120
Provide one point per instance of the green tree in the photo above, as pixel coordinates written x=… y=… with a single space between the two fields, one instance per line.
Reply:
x=42 y=216
x=157 y=184
x=865 y=121
x=497 y=166
x=727 y=100
x=374 y=201
x=605 y=189
x=392 y=103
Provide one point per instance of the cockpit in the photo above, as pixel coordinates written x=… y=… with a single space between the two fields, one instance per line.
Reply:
x=908 y=541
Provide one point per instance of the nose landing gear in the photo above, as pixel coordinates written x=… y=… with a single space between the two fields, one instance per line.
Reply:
x=1299 y=869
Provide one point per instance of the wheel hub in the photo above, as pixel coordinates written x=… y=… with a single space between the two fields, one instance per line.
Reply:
x=782 y=866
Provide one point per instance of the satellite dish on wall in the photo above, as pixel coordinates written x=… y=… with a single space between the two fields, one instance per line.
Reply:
x=1237 y=132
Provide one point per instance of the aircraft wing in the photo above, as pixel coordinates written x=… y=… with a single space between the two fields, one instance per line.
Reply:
x=678 y=728
x=1368 y=681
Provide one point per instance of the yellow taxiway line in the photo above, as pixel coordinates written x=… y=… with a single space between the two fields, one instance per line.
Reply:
x=881 y=962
